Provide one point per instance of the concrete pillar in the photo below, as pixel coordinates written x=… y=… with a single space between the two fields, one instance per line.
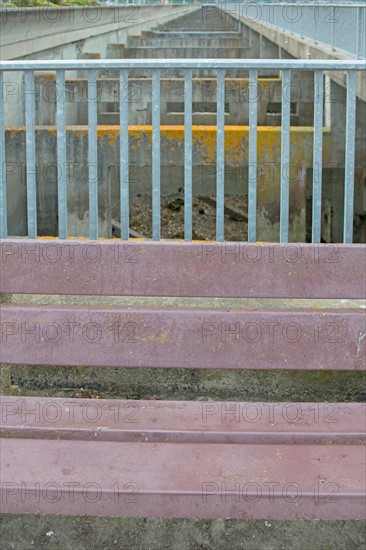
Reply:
x=14 y=99
x=284 y=54
x=254 y=41
x=268 y=49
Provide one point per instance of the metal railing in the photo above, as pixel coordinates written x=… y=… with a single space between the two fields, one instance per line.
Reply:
x=187 y=66
x=339 y=25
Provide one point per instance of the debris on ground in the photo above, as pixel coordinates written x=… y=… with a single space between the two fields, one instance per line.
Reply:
x=203 y=217
x=82 y=393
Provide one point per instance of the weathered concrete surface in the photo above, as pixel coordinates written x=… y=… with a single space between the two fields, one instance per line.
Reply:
x=172 y=173
x=181 y=41
x=203 y=20
x=172 y=101
x=172 y=165
x=28 y=32
x=149 y=52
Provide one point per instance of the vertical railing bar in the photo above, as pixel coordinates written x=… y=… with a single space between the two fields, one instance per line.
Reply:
x=61 y=154
x=3 y=202
x=362 y=34
x=350 y=157
x=124 y=156
x=220 y=156
x=188 y=155
x=358 y=31
x=315 y=27
x=317 y=156
x=93 y=154
x=156 y=154
x=30 y=154
x=252 y=169
x=285 y=156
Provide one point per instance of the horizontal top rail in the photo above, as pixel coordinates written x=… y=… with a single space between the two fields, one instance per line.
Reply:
x=273 y=64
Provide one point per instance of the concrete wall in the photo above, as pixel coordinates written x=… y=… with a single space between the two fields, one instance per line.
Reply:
x=172 y=92
x=172 y=172
x=300 y=48
x=172 y=101
x=117 y=51
x=27 y=32
x=181 y=41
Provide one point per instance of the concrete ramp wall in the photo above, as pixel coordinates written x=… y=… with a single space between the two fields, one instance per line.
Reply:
x=24 y=33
